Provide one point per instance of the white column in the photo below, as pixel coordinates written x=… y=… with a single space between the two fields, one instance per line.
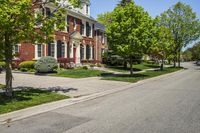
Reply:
x=55 y=49
x=45 y=49
x=36 y=53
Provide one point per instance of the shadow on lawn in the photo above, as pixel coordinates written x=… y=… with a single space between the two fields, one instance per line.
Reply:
x=27 y=93
x=124 y=75
x=121 y=68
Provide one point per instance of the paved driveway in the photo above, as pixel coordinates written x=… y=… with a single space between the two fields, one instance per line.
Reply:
x=75 y=87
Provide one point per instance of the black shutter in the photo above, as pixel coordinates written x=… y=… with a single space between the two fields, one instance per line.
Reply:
x=59 y=49
x=87 y=29
x=49 y=49
x=68 y=50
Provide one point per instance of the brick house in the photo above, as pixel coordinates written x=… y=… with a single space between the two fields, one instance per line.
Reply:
x=83 y=40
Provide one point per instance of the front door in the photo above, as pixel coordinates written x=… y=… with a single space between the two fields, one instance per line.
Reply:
x=75 y=55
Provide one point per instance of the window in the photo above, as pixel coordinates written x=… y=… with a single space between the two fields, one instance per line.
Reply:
x=51 y=49
x=46 y=12
x=82 y=29
x=82 y=52
x=16 y=49
x=88 y=52
x=92 y=52
x=63 y=50
x=88 y=29
x=68 y=23
x=39 y=50
x=87 y=9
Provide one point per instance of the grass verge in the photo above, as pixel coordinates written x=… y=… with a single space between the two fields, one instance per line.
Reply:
x=26 y=98
x=137 y=77
x=78 y=73
x=138 y=67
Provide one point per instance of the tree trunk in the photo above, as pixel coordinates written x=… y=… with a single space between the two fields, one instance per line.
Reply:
x=8 y=60
x=179 y=58
x=162 y=65
x=174 y=62
x=125 y=64
x=131 y=65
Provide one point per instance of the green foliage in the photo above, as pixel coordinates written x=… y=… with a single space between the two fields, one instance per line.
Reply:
x=192 y=53
x=129 y=32
x=183 y=24
x=2 y=64
x=27 y=65
x=85 y=67
x=46 y=64
x=104 y=18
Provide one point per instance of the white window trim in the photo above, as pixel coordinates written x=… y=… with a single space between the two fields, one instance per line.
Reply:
x=36 y=51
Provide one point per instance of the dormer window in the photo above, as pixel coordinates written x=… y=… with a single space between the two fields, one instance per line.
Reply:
x=87 y=9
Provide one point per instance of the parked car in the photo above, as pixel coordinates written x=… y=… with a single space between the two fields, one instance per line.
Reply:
x=198 y=62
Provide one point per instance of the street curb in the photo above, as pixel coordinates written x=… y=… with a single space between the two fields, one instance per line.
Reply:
x=35 y=110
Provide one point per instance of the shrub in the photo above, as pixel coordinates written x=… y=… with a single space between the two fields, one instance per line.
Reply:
x=92 y=65
x=85 y=67
x=2 y=65
x=27 y=65
x=99 y=65
x=23 y=69
x=46 y=64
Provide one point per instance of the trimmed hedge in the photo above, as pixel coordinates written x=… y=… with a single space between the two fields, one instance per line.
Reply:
x=27 y=65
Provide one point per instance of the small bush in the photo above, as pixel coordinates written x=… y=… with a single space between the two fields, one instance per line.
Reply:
x=46 y=64
x=85 y=67
x=99 y=65
x=2 y=64
x=23 y=69
x=92 y=65
x=27 y=65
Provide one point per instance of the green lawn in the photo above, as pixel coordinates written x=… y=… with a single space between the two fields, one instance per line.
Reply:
x=78 y=73
x=138 y=67
x=27 y=98
x=136 y=77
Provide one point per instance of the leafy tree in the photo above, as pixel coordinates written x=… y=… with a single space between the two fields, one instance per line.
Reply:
x=187 y=55
x=124 y=2
x=192 y=53
x=104 y=18
x=26 y=21
x=183 y=24
x=129 y=31
x=163 y=42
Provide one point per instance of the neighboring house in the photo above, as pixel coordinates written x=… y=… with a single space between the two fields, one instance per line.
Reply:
x=83 y=40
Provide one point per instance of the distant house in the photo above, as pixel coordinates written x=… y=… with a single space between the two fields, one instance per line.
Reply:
x=82 y=41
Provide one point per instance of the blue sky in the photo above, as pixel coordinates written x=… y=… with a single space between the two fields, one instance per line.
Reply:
x=154 y=7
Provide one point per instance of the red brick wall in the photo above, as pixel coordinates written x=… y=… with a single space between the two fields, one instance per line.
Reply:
x=27 y=51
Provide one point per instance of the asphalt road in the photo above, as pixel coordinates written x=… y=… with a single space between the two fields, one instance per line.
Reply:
x=169 y=104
